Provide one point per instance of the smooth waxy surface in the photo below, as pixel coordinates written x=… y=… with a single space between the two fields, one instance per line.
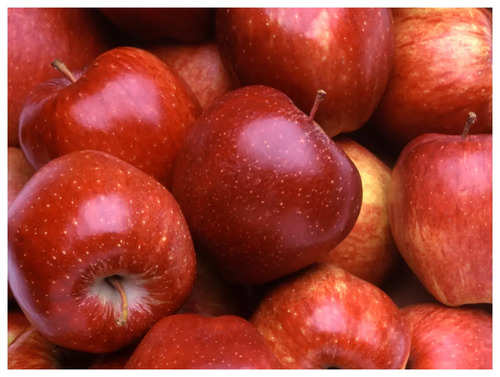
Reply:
x=449 y=338
x=82 y=218
x=346 y=52
x=191 y=341
x=325 y=317
x=128 y=103
x=440 y=211
x=37 y=36
x=19 y=172
x=264 y=190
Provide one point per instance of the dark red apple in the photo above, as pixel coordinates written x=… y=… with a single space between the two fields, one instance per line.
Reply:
x=36 y=37
x=191 y=341
x=98 y=252
x=345 y=51
x=154 y=24
x=440 y=211
x=264 y=190
x=19 y=172
x=326 y=317
x=442 y=71
x=114 y=360
x=368 y=251
x=201 y=68
x=449 y=338
x=128 y=103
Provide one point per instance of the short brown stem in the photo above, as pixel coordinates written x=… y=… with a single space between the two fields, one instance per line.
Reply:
x=320 y=96
x=61 y=67
x=471 y=119
x=115 y=282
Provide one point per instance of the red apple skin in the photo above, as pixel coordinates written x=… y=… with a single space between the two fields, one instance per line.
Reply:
x=449 y=338
x=191 y=341
x=189 y=25
x=201 y=68
x=37 y=36
x=128 y=103
x=345 y=51
x=19 y=172
x=264 y=190
x=82 y=218
x=27 y=348
x=327 y=317
x=368 y=251
x=442 y=71
x=440 y=211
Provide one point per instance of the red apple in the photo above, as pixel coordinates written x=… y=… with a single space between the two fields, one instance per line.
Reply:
x=37 y=36
x=449 y=338
x=98 y=252
x=27 y=348
x=128 y=103
x=345 y=51
x=191 y=341
x=201 y=68
x=441 y=215
x=153 y=24
x=368 y=251
x=442 y=71
x=327 y=317
x=19 y=172
x=263 y=188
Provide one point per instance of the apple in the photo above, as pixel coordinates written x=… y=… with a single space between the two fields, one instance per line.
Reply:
x=98 y=252
x=440 y=211
x=442 y=71
x=19 y=172
x=449 y=338
x=326 y=317
x=345 y=51
x=264 y=190
x=128 y=103
x=192 y=341
x=201 y=68
x=368 y=251
x=27 y=348
x=188 y=25
x=37 y=36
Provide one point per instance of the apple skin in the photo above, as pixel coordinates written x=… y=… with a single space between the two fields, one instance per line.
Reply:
x=19 y=172
x=191 y=341
x=37 y=36
x=82 y=218
x=368 y=251
x=128 y=103
x=345 y=51
x=327 y=317
x=442 y=71
x=189 y=25
x=27 y=348
x=440 y=211
x=264 y=190
x=449 y=338
x=201 y=68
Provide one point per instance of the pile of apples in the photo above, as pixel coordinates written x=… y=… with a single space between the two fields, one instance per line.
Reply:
x=250 y=188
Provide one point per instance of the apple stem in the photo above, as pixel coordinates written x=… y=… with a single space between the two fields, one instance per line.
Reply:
x=320 y=96
x=61 y=67
x=471 y=119
x=115 y=282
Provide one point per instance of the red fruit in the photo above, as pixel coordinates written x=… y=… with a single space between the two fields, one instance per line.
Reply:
x=19 y=172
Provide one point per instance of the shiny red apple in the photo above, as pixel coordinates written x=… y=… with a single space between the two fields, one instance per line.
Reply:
x=98 y=252
x=326 y=317
x=442 y=71
x=368 y=251
x=264 y=190
x=440 y=211
x=19 y=172
x=127 y=103
x=153 y=24
x=36 y=37
x=191 y=341
x=345 y=51
x=449 y=338
x=201 y=68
